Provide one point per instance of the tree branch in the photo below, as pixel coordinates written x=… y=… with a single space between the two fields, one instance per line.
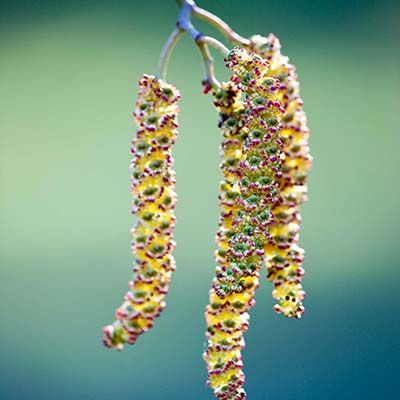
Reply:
x=221 y=26
x=167 y=50
x=184 y=24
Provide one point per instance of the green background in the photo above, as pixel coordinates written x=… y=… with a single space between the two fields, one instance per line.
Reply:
x=68 y=73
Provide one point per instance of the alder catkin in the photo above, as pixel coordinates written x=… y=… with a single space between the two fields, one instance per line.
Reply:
x=284 y=257
x=153 y=190
x=250 y=120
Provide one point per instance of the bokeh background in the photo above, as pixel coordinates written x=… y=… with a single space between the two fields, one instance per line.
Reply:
x=68 y=73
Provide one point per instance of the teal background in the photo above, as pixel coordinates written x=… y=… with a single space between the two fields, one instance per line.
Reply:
x=68 y=73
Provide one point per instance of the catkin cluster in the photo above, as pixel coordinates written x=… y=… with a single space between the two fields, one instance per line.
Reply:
x=250 y=120
x=153 y=190
x=265 y=161
x=284 y=257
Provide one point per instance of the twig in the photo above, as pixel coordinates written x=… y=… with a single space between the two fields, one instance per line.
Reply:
x=223 y=50
x=220 y=25
x=184 y=24
x=208 y=65
x=167 y=50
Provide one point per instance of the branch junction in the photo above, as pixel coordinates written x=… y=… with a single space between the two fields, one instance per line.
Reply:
x=188 y=10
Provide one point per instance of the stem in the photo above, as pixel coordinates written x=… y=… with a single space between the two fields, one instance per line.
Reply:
x=184 y=24
x=185 y=19
x=167 y=50
x=208 y=65
x=188 y=8
x=223 y=50
x=220 y=25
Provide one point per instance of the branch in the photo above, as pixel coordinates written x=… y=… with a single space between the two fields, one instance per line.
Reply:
x=220 y=25
x=184 y=24
x=208 y=65
x=220 y=47
x=167 y=50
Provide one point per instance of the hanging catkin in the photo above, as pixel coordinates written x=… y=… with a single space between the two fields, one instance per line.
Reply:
x=252 y=121
x=153 y=190
x=284 y=257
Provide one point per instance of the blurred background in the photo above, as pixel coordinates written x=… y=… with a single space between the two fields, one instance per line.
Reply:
x=68 y=78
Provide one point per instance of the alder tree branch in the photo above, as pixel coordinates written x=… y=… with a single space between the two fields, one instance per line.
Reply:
x=184 y=24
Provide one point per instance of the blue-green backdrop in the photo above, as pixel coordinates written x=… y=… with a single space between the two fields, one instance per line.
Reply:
x=68 y=72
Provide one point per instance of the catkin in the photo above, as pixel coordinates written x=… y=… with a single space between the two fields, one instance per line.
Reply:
x=284 y=257
x=250 y=120
x=153 y=190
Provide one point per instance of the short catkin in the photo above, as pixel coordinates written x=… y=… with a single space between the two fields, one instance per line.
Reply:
x=284 y=257
x=153 y=190
x=250 y=120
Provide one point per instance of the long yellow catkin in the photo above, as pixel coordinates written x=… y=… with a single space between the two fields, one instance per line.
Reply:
x=153 y=189
x=250 y=120
x=284 y=257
